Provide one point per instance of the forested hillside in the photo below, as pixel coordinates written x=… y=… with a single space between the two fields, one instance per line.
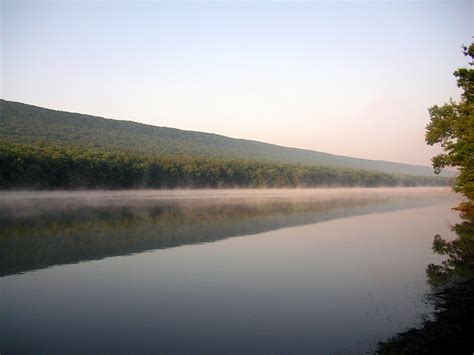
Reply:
x=26 y=124
x=43 y=167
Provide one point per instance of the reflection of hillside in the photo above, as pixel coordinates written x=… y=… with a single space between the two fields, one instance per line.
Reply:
x=63 y=236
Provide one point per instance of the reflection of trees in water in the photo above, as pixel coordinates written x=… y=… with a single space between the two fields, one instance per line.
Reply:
x=69 y=235
x=459 y=263
x=453 y=286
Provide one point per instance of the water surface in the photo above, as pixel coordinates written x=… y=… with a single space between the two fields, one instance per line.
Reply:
x=234 y=271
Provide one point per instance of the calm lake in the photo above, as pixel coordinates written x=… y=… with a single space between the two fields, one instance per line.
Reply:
x=231 y=271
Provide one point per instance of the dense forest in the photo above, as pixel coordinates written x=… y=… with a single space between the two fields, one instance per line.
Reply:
x=50 y=167
x=27 y=124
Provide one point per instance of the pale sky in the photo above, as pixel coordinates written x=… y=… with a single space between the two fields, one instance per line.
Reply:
x=350 y=78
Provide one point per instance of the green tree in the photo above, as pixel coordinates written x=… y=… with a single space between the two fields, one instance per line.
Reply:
x=452 y=126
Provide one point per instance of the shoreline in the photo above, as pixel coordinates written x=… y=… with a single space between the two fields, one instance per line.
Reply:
x=449 y=333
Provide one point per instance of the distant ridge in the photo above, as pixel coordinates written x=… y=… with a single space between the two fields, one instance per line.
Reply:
x=27 y=124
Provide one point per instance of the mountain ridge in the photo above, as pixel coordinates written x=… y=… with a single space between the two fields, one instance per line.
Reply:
x=29 y=124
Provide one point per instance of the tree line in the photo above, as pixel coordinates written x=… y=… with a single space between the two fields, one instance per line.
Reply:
x=52 y=167
x=452 y=126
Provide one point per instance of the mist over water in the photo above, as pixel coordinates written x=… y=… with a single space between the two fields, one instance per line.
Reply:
x=244 y=271
x=30 y=202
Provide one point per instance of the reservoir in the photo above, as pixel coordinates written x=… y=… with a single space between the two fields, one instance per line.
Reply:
x=217 y=271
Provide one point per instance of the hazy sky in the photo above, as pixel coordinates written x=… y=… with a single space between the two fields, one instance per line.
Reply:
x=351 y=78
